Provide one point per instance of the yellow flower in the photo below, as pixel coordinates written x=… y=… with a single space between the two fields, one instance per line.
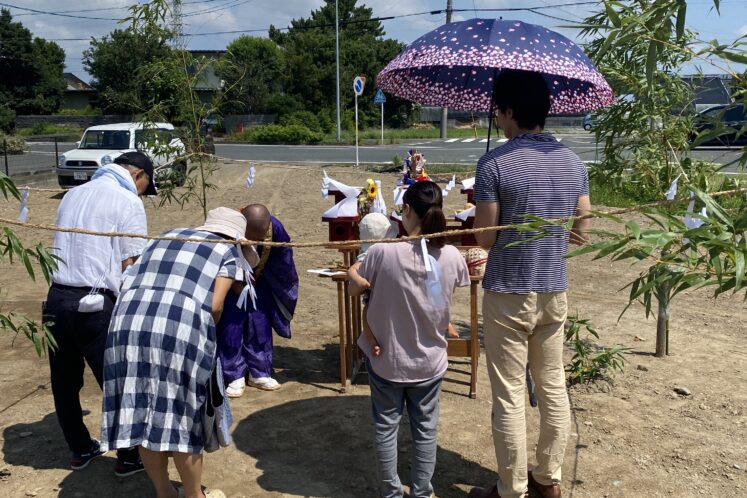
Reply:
x=371 y=189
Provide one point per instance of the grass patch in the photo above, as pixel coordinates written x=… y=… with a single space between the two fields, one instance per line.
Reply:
x=606 y=194
x=49 y=129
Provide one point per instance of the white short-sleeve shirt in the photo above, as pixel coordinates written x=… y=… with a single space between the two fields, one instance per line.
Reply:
x=100 y=205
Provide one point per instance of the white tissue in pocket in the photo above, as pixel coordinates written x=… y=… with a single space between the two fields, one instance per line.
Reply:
x=91 y=303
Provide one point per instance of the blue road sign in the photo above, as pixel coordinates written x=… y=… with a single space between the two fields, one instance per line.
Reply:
x=358 y=83
x=380 y=98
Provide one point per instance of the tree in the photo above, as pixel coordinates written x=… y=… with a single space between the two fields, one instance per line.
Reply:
x=32 y=81
x=257 y=66
x=115 y=61
x=643 y=46
x=310 y=57
x=178 y=71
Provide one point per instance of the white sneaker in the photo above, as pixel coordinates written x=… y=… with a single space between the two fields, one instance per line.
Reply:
x=265 y=383
x=236 y=388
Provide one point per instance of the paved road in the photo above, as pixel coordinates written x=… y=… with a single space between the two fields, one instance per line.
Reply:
x=451 y=151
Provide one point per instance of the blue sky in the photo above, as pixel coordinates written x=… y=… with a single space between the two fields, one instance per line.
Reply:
x=205 y=16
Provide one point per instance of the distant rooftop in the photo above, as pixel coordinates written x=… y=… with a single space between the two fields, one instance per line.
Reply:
x=75 y=84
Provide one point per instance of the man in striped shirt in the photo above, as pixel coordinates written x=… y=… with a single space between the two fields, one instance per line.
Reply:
x=524 y=306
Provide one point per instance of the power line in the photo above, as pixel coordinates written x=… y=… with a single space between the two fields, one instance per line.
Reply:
x=237 y=2
x=101 y=9
x=60 y=14
x=70 y=11
x=549 y=16
x=534 y=10
x=211 y=10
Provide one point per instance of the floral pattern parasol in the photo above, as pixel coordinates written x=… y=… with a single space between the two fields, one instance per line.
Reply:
x=454 y=65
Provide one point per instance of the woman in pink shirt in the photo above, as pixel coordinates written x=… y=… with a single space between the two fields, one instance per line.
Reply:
x=411 y=287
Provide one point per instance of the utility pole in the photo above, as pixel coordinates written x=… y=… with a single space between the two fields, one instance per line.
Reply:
x=337 y=67
x=444 y=110
x=177 y=23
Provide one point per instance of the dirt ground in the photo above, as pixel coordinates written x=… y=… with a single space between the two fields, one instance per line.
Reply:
x=632 y=437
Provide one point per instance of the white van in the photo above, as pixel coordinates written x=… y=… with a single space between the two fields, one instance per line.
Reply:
x=100 y=145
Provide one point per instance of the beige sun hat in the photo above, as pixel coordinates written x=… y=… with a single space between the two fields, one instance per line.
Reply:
x=225 y=221
x=376 y=226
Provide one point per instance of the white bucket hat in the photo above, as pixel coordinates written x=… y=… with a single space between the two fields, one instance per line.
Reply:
x=376 y=226
x=225 y=221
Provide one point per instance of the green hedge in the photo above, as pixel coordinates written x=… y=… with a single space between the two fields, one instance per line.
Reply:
x=50 y=129
x=278 y=134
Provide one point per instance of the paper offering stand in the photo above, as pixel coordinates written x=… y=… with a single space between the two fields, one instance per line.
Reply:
x=466 y=218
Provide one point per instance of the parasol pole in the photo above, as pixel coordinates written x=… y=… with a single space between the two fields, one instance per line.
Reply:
x=445 y=110
x=490 y=113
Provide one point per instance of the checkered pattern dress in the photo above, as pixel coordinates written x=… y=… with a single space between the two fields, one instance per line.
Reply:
x=161 y=346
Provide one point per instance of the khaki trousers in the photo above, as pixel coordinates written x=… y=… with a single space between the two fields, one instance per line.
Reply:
x=523 y=329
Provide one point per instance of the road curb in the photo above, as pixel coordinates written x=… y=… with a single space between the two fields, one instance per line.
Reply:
x=35 y=178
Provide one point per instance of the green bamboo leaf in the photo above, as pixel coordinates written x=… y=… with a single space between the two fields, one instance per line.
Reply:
x=611 y=248
x=681 y=15
x=634 y=228
x=642 y=291
x=651 y=63
x=583 y=250
x=27 y=263
x=737 y=57
x=606 y=45
x=714 y=208
x=7 y=186
x=530 y=239
x=612 y=15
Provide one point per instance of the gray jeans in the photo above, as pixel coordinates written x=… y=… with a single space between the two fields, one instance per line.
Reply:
x=388 y=400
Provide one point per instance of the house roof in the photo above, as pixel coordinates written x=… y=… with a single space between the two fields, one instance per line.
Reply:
x=75 y=84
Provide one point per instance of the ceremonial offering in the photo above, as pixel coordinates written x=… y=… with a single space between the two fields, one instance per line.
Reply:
x=367 y=197
x=343 y=216
x=476 y=259
x=414 y=168
x=468 y=189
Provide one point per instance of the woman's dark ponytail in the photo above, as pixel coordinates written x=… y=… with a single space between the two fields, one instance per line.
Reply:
x=426 y=199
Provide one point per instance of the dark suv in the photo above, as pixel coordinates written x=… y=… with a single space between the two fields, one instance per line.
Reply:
x=732 y=118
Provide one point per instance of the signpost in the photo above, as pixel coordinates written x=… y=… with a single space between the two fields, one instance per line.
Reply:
x=380 y=98
x=359 y=84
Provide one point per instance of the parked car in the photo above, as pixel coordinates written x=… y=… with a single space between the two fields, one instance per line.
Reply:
x=100 y=145
x=732 y=118
x=587 y=122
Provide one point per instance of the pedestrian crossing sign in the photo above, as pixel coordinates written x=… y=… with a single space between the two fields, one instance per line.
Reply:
x=380 y=98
